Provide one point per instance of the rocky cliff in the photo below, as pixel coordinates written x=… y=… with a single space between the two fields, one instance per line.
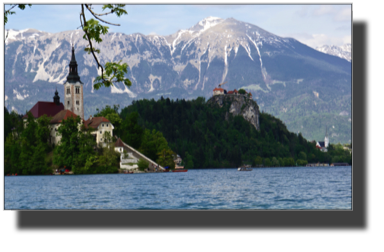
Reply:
x=239 y=105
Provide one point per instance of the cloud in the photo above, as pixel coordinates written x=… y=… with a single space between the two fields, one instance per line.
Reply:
x=343 y=28
x=303 y=12
x=324 y=10
x=315 y=40
x=343 y=15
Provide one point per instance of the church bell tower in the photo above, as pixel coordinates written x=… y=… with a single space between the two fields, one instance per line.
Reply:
x=326 y=138
x=73 y=89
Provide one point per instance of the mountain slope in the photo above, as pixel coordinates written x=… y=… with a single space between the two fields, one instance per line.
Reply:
x=283 y=74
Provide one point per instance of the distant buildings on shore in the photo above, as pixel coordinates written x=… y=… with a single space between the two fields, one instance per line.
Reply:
x=323 y=145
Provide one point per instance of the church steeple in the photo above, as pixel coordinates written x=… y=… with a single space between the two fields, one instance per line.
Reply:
x=56 y=98
x=73 y=76
x=73 y=89
x=326 y=138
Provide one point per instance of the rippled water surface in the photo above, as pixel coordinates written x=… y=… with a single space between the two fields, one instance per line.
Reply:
x=268 y=188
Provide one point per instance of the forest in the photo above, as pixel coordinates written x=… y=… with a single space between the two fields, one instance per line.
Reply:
x=199 y=132
x=202 y=136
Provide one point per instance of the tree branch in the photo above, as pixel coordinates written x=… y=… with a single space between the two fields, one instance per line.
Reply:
x=90 y=43
x=95 y=15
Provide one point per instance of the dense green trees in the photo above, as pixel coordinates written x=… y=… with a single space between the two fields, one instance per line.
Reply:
x=78 y=150
x=112 y=114
x=26 y=151
x=202 y=136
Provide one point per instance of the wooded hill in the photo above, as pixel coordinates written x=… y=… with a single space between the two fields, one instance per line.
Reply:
x=201 y=135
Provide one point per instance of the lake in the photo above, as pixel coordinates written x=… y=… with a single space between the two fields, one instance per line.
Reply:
x=263 y=188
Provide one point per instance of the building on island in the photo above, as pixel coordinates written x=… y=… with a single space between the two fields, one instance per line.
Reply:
x=103 y=128
x=177 y=159
x=46 y=108
x=73 y=89
x=55 y=124
x=73 y=106
x=323 y=145
x=119 y=146
x=218 y=91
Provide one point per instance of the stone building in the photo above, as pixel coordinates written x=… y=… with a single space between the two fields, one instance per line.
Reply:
x=218 y=91
x=73 y=89
x=103 y=128
x=73 y=106
x=45 y=108
x=55 y=124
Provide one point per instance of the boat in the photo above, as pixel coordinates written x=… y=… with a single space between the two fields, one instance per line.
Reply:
x=179 y=168
x=244 y=168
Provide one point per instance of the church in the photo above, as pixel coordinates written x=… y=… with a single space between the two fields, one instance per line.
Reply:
x=73 y=106
x=323 y=146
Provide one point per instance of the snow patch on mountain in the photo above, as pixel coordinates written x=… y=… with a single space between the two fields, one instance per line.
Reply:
x=20 y=96
x=343 y=51
x=177 y=38
x=246 y=47
x=209 y=22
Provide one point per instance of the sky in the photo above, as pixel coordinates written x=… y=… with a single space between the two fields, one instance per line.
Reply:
x=313 y=25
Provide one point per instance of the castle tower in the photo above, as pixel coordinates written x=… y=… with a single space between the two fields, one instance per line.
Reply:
x=326 y=139
x=73 y=89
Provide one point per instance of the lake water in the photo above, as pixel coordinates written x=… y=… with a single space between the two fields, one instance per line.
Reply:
x=266 y=188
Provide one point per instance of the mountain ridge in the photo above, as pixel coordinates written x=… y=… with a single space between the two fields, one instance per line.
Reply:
x=183 y=65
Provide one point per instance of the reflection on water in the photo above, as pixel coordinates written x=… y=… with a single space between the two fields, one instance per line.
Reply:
x=268 y=188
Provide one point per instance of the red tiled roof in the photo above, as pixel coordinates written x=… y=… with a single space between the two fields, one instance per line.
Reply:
x=95 y=122
x=218 y=89
x=45 y=108
x=119 y=143
x=62 y=115
x=230 y=92
x=235 y=91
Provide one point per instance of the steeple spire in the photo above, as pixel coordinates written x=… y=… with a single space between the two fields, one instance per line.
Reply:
x=56 y=98
x=73 y=76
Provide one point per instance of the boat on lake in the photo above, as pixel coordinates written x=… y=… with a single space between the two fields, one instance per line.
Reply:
x=244 y=168
x=179 y=169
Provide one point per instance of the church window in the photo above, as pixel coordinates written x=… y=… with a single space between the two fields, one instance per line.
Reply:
x=107 y=124
x=100 y=132
x=103 y=124
x=77 y=90
x=77 y=103
x=68 y=103
x=68 y=90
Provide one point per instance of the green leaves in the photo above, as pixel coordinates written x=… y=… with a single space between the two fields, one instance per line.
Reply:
x=93 y=29
x=88 y=50
x=115 y=8
x=9 y=12
x=114 y=72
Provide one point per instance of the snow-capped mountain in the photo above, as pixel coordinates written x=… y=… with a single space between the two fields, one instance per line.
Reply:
x=281 y=73
x=343 y=51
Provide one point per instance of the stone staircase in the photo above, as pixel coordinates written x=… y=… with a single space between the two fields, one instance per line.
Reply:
x=133 y=157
